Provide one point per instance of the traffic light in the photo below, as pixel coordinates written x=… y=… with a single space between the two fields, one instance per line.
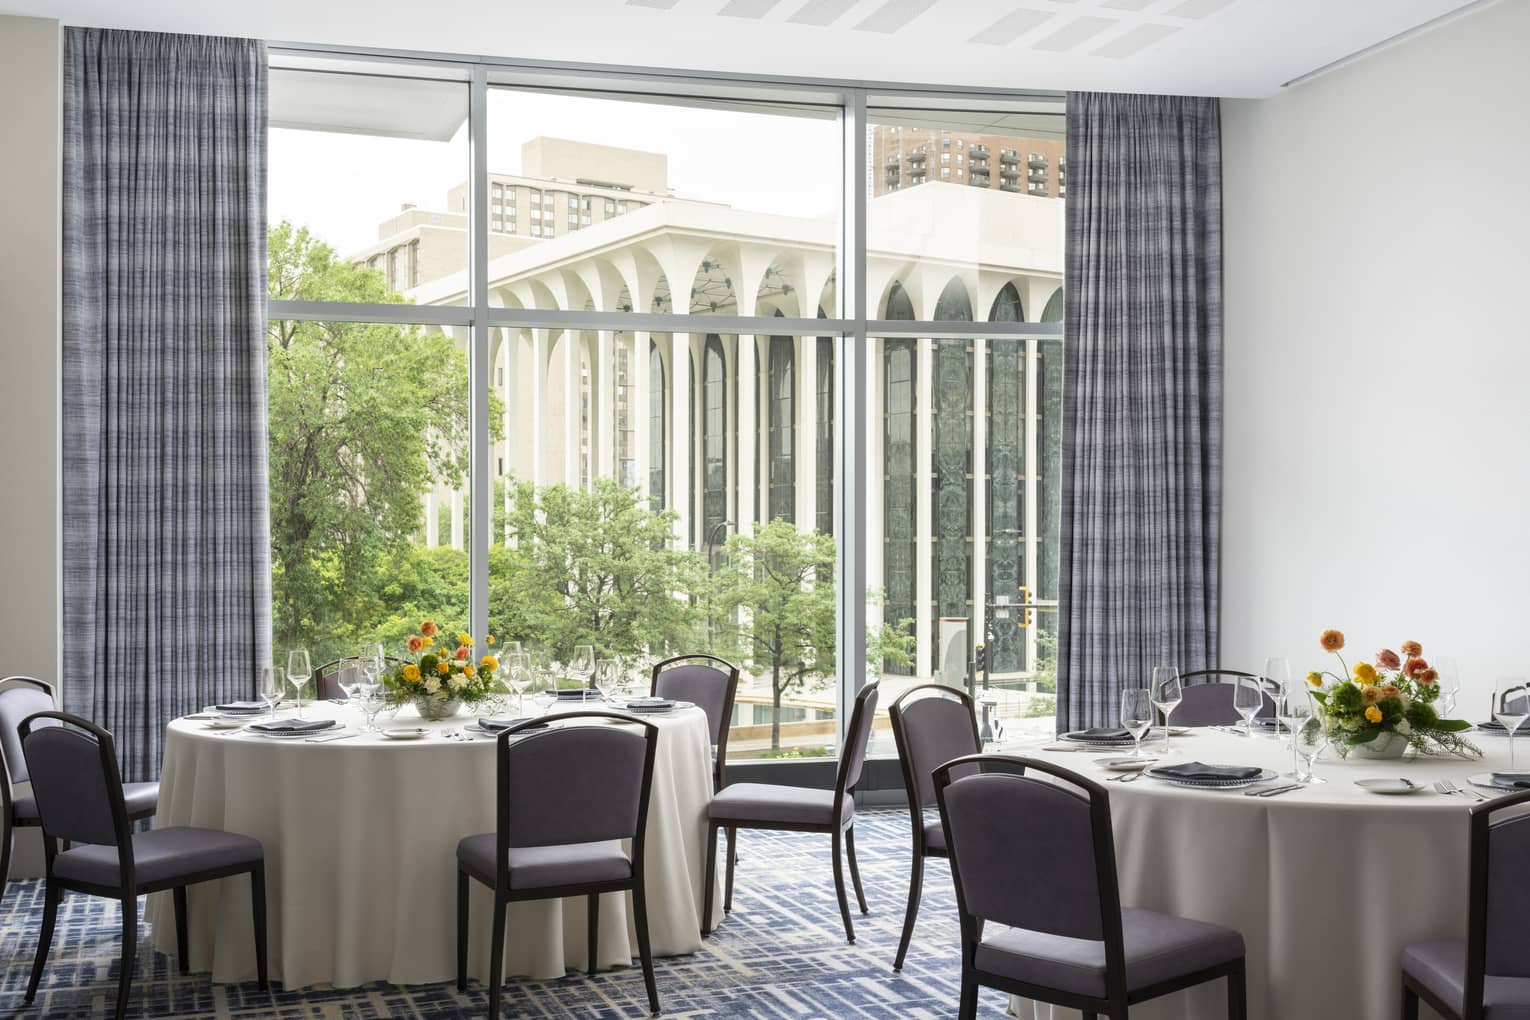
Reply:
x=980 y=658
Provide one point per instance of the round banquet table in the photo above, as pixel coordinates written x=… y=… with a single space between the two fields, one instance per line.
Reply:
x=1327 y=884
x=360 y=838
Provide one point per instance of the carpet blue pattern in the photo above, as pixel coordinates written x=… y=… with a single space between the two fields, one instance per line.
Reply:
x=781 y=953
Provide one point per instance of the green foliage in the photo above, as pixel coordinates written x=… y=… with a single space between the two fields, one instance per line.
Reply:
x=1041 y=708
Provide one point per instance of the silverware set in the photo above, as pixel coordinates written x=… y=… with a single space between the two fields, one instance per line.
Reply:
x=1448 y=787
x=1273 y=791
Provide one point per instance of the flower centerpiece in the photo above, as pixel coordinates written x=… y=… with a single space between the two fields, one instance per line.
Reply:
x=440 y=674
x=1379 y=709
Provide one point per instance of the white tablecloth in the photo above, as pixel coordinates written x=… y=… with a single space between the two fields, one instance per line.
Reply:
x=360 y=837
x=1326 y=884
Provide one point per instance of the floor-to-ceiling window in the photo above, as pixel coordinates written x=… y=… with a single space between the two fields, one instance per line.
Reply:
x=562 y=490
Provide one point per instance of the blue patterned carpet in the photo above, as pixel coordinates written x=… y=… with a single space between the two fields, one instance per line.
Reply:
x=781 y=953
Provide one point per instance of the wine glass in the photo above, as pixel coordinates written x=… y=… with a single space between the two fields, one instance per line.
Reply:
x=1450 y=685
x=1511 y=704
x=1167 y=693
x=1309 y=737
x=348 y=676
x=608 y=677
x=272 y=687
x=1136 y=715
x=582 y=665
x=299 y=672
x=518 y=678
x=1248 y=699
x=1277 y=670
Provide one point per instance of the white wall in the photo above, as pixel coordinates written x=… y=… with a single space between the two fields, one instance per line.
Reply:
x=1377 y=260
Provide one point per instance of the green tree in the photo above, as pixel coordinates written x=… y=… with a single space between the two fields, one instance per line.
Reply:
x=598 y=567
x=363 y=419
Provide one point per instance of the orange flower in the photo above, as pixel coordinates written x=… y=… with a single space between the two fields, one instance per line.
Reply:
x=1370 y=694
x=416 y=643
x=1412 y=648
x=1373 y=714
x=1388 y=659
x=491 y=639
x=428 y=628
x=1429 y=677
x=1391 y=691
x=468 y=671
x=1331 y=640
x=462 y=653
x=1413 y=667
x=443 y=668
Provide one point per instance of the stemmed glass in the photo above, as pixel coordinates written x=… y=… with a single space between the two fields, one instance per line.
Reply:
x=1167 y=694
x=1277 y=670
x=272 y=684
x=1511 y=705
x=518 y=678
x=348 y=676
x=608 y=677
x=582 y=665
x=299 y=672
x=372 y=663
x=1136 y=715
x=1248 y=699
x=1450 y=685
x=1309 y=736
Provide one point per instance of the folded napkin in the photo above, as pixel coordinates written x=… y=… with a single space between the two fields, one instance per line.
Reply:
x=1100 y=733
x=495 y=725
x=1512 y=780
x=1195 y=770
x=242 y=706
x=292 y=725
x=650 y=705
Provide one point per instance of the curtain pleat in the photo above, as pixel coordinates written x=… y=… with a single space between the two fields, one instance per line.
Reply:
x=1142 y=398
x=167 y=601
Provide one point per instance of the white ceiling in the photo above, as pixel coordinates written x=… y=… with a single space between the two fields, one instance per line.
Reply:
x=1204 y=47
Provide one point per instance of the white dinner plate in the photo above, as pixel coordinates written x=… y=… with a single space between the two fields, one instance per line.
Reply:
x=221 y=722
x=1128 y=764
x=1391 y=787
x=406 y=733
x=1485 y=780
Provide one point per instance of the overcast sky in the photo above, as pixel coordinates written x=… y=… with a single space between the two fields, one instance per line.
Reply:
x=342 y=185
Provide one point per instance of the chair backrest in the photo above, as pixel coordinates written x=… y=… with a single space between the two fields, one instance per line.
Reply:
x=1008 y=812
x=579 y=783
x=328 y=677
x=1497 y=939
x=20 y=697
x=857 y=736
x=705 y=680
x=75 y=779
x=931 y=724
x=1208 y=698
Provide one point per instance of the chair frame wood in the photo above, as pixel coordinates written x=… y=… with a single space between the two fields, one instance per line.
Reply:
x=504 y=895
x=1477 y=898
x=920 y=849
x=1117 y=999
x=129 y=889
x=840 y=833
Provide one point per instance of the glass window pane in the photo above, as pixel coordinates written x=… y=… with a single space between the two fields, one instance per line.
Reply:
x=374 y=167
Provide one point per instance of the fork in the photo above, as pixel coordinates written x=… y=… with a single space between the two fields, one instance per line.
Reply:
x=1446 y=786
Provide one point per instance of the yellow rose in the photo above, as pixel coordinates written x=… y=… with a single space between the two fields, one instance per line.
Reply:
x=443 y=668
x=429 y=641
x=1365 y=672
x=411 y=673
x=1373 y=714
x=464 y=639
x=489 y=663
x=468 y=671
x=1315 y=678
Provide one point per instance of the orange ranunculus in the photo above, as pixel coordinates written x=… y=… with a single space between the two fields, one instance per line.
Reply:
x=416 y=643
x=1373 y=714
x=1388 y=659
x=443 y=667
x=1412 y=648
x=490 y=639
x=428 y=628
x=462 y=653
x=1413 y=667
x=468 y=671
x=489 y=663
x=1429 y=677
x=1390 y=691
x=1370 y=694
x=1331 y=640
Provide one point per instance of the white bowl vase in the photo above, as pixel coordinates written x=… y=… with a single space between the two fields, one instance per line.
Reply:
x=1385 y=746
x=436 y=709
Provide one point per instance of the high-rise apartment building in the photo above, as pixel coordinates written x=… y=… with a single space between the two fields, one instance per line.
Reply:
x=903 y=157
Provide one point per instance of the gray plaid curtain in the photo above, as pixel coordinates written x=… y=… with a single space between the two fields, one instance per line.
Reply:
x=1142 y=397
x=167 y=602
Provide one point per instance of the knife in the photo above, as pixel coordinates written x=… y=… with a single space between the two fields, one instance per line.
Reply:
x=332 y=736
x=1270 y=791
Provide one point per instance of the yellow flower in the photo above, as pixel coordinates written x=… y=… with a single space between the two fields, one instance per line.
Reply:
x=429 y=641
x=490 y=639
x=1373 y=714
x=411 y=674
x=1315 y=678
x=468 y=671
x=464 y=639
x=489 y=663
x=1365 y=672
x=443 y=668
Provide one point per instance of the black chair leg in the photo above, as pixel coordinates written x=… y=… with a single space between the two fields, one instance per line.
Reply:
x=258 y=912
x=594 y=930
x=129 y=952
x=51 y=899
x=462 y=929
x=7 y=845
x=711 y=881
x=1237 y=994
x=915 y=890
x=1409 y=1003
x=182 y=939
x=645 y=951
x=855 y=871
x=732 y=866
x=839 y=888
x=967 y=1010
x=497 y=955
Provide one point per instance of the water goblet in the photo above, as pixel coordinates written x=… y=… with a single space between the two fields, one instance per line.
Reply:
x=1248 y=699
x=273 y=683
x=1277 y=671
x=1137 y=715
x=299 y=672
x=1511 y=705
x=1167 y=693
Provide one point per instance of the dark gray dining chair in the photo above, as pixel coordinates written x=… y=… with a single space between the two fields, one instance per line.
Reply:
x=20 y=697
x=1060 y=933
x=931 y=724
x=328 y=677
x=78 y=788
x=567 y=798
x=797 y=809
x=1488 y=975
x=711 y=684
x=1208 y=698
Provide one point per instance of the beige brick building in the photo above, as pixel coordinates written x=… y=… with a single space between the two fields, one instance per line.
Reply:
x=903 y=157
